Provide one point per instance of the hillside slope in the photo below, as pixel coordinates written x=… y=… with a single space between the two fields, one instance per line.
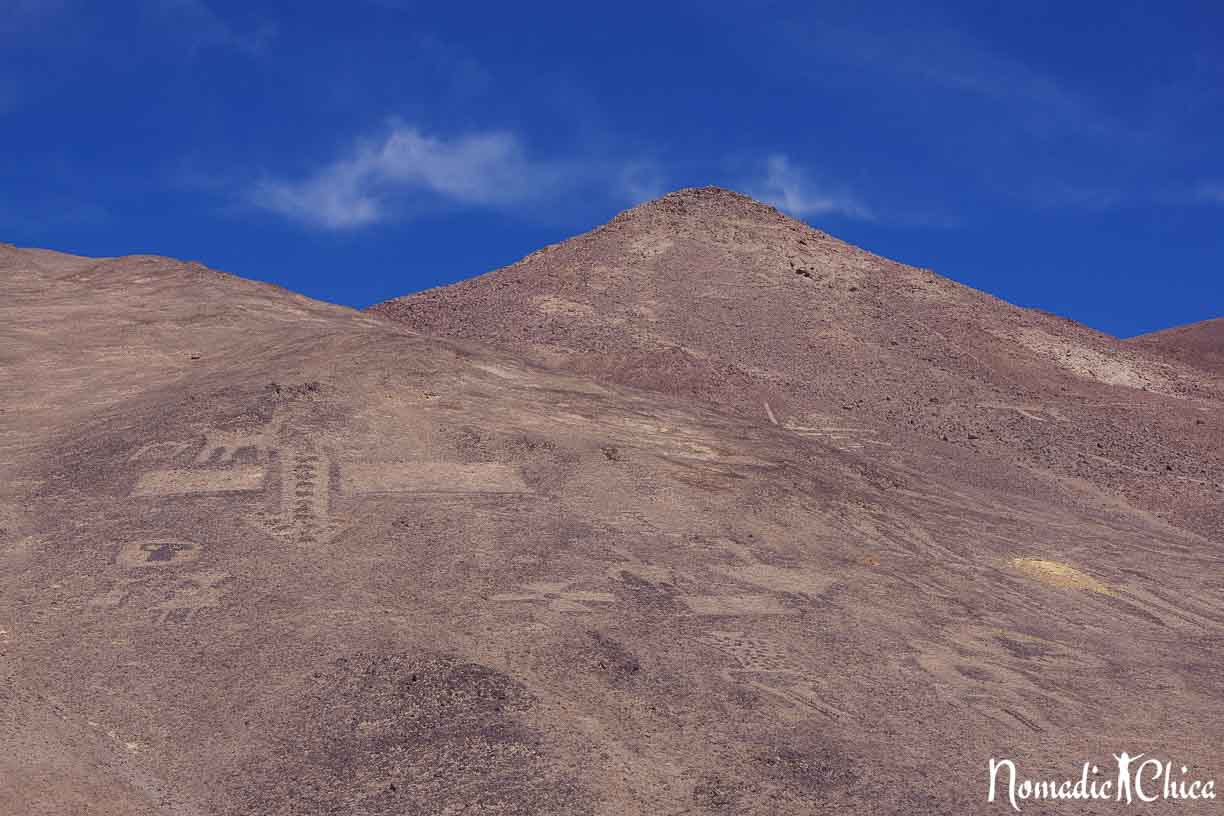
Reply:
x=708 y=295
x=262 y=555
x=1199 y=344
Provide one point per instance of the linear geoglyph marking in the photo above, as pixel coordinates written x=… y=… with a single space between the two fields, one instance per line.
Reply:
x=556 y=595
x=239 y=479
x=769 y=412
x=840 y=437
x=431 y=477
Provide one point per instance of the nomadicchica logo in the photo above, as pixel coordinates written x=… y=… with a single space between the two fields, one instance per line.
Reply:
x=1131 y=781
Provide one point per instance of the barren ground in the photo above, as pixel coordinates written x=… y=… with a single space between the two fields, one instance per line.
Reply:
x=264 y=555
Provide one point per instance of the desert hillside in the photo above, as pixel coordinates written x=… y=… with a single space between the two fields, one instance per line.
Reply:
x=708 y=295
x=264 y=555
x=1199 y=344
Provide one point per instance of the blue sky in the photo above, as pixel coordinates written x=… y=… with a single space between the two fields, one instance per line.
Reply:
x=1060 y=155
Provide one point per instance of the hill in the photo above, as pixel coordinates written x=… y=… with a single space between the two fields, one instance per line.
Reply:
x=1200 y=344
x=264 y=555
x=708 y=295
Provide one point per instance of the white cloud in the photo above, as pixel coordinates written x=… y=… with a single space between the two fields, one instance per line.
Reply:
x=337 y=197
x=789 y=188
x=487 y=169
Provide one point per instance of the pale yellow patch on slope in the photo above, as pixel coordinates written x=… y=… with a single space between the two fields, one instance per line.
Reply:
x=1058 y=574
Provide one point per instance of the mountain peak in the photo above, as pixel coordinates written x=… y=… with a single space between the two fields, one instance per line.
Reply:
x=701 y=202
x=709 y=193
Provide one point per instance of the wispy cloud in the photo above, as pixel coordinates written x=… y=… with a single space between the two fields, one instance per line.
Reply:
x=484 y=169
x=792 y=189
x=923 y=55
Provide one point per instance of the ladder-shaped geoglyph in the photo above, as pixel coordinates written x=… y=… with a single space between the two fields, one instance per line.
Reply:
x=304 y=514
